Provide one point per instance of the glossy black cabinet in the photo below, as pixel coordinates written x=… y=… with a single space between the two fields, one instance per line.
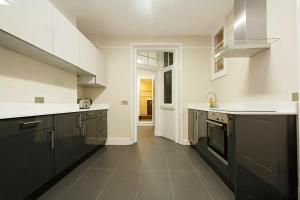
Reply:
x=90 y=136
x=35 y=151
x=266 y=164
x=26 y=155
x=68 y=141
x=101 y=127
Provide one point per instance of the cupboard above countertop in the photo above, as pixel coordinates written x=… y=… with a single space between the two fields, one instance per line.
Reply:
x=16 y=110
x=42 y=33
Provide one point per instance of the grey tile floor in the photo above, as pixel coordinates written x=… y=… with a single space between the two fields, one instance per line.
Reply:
x=153 y=169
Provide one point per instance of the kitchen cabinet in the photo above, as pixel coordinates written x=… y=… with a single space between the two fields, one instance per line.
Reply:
x=26 y=155
x=92 y=60
x=191 y=121
x=90 y=137
x=101 y=127
x=67 y=141
x=266 y=166
x=86 y=54
x=66 y=39
x=29 y=20
x=197 y=127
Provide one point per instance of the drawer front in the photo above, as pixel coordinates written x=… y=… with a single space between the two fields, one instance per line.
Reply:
x=102 y=112
x=91 y=114
x=10 y=127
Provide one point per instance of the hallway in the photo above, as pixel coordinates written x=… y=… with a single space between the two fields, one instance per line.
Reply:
x=153 y=169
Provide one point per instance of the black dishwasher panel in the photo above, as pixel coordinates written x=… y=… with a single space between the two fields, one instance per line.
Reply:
x=68 y=141
x=26 y=156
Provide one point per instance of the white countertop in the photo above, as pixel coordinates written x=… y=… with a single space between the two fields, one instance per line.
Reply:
x=16 y=110
x=252 y=108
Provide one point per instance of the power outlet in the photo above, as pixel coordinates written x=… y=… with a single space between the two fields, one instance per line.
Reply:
x=295 y=96
x=124 y=102
x=39 y=100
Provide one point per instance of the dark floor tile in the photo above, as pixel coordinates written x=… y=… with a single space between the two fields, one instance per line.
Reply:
x=154 y=186
x=187 y=186
x=89 y=186
x=89 y=162
x=154 y=164
x=215 y=185
x=123 y=185
x=109 y=160
x=59 y=188
x=178 y=162
x=197 y=162
x=131 y=161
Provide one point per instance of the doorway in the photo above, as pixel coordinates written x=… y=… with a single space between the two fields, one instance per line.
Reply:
x=146 y=101
x=160 y=66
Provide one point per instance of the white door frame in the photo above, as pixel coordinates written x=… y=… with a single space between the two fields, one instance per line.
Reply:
x=177 y=48
x=151 y=123
x=298 y=67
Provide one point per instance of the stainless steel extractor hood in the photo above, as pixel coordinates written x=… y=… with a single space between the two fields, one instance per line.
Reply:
x=250 y=30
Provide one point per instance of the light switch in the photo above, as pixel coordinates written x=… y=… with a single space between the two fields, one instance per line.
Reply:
x=124 y=102
x=295 y=96
x=39 y=100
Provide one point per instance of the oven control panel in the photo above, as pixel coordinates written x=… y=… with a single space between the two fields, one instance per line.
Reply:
x=218 y=117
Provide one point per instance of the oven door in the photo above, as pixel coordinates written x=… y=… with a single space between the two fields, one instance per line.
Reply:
x=217 y=140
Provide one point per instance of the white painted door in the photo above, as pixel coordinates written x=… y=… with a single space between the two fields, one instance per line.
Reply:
x=168 y=96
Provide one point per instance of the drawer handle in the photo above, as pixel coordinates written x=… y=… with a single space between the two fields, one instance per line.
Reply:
x=33 y=123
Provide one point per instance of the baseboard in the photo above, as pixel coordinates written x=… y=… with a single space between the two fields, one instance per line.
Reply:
x=145 y=124
x=184 y=142
x=118 y=141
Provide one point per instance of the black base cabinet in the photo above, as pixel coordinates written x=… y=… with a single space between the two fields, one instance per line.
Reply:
x=67 y=141
x=262 y=150
x=266 y=157
x=26 y=156
x=37 y=151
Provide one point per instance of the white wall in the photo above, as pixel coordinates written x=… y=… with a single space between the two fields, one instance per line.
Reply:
x=118 y=89
x=22 y=78
x=196 y=76
x=268 y=76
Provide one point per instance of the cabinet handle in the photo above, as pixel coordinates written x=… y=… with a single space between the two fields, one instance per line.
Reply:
x=33 y=123
x=80 y=124
x=52 y=140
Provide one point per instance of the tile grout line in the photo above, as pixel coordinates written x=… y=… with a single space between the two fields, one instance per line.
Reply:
x=198 y=178
x=80 y=176
x=169 y=176
x=112 y=174
x=138 y=186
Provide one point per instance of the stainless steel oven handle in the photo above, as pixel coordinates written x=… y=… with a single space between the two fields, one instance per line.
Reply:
x=215 y=123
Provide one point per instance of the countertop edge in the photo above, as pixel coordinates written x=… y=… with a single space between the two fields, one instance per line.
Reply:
x=15 y=113
x=292 y=110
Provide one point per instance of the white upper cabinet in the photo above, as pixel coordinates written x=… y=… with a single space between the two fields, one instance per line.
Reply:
x=92 y=59
x=29 y=20
x=101 y=71
x=40 y=25
x=86 y=54
x=66 y=39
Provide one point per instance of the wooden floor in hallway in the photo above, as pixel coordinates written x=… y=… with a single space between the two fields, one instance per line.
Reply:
x=153 y=169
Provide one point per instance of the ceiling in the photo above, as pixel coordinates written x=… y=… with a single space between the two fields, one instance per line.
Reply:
x=147 y=17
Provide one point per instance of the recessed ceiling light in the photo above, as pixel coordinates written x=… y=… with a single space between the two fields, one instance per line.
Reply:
x=5 y=2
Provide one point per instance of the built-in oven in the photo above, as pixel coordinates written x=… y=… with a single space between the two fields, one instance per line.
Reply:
x=217 y=135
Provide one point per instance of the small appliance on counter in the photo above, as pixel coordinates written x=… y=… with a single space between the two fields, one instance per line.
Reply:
x=84 y=103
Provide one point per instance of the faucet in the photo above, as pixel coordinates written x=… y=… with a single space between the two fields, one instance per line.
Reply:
x=212 y=101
